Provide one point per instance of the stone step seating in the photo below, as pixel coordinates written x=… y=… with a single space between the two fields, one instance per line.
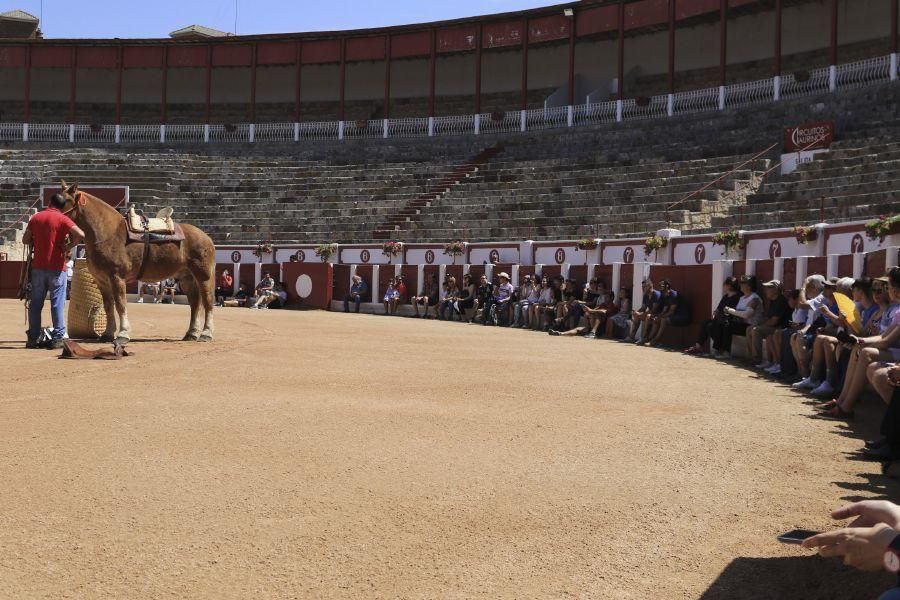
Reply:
x=838 y=209
x=524 y=199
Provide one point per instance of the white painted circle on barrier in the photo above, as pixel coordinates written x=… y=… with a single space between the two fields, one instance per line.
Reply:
x=303 y=286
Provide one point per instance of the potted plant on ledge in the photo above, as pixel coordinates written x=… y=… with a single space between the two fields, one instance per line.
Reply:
x=883 y=226
x=262 y=249
x=391 y=249
x=653 y=244
x=804 y=235
x=731 y=239
x=586 y=245
x=454 y=249
x=325 y=251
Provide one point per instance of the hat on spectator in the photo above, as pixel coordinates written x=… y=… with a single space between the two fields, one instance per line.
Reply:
x=882 y=279
x=772 y=284
x=503 y=275
x=832 y=282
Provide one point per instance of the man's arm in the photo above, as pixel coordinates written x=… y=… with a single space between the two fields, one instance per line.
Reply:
x=76 y=236
x=27 y=237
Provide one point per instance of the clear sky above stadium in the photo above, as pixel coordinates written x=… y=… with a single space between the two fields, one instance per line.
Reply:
x=156 y=18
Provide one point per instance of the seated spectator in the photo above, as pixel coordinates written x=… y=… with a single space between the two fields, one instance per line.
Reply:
x=466 y=298
x=556 y=308
x=866 y=543
x=484 y=295
x=536 y=310
x=641 y=318
x=748 y=313
x=674 y=310
x=828 y=353
x=450 y=298
x=224 y=287
x=429 y=298
x=279 y=300
x=527 y=294
x=888 y=447
x=240 y=299
x=169 y=286
x=778 y=314
x=265 y=292
x=823 y=318
x=499 y=301
x=391 y=298
x=154 y=289
x=358 y=291
x=713 y=329
x=884 y=347
x=617 y=324
x=572 y=309
x=597 y=315
x=401 y=289
x=779 y=342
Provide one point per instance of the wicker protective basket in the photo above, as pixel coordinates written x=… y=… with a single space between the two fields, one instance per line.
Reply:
x=87 y=319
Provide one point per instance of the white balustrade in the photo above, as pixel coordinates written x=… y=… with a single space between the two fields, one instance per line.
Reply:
x=750 y=92
x=695 y=101
x=805 y=83
x=645 y=108
x=864 y=72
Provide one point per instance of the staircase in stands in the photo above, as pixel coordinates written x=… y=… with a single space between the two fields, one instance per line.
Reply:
x=434 y=191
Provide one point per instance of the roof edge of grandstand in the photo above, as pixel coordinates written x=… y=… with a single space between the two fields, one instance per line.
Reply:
x=394 y=29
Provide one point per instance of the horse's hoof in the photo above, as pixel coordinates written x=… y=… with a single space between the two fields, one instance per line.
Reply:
x=107 y=337
x=189 y=337
x=205 y=338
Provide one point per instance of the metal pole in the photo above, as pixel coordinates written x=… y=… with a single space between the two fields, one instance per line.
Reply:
x=524 y=99
x=74 y=84
x=432 y=74
x=208 y=92
x=343 y=82
x=299 y=82
x=387 y=76
x=478 y=70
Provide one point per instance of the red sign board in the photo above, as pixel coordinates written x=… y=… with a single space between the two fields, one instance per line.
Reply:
x=810 y=136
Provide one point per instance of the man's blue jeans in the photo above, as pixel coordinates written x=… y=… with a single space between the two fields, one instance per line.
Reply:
x=44 y=281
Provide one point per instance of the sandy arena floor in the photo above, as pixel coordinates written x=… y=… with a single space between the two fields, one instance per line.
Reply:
x=311 y=454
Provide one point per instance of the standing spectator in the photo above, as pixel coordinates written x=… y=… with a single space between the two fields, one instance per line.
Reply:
x=70 y=271
x=650 y=306
x=46 y=235
x=778 y=314
x=225 y=287
x=358 y=291
x=711 y=329
x=450 y=299
x=391 y=298
x=265 y=291
x=428 y=298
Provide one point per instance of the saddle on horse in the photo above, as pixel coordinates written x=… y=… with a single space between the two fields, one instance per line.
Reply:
x=153 y=230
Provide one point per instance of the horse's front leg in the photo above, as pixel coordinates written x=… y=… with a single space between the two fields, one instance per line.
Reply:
x=117 y=285
x=109 y=334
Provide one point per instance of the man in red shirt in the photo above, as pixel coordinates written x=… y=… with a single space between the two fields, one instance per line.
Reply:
x=46 y=234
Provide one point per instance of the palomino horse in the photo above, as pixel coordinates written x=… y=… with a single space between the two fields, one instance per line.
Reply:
x=113 y=262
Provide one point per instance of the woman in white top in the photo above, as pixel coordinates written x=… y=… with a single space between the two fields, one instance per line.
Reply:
x=748 y=313
x=545 y=298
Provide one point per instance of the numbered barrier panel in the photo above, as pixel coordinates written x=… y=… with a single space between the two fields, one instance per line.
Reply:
x=10 y=271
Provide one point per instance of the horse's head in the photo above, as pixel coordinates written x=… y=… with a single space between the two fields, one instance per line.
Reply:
x=74 y=199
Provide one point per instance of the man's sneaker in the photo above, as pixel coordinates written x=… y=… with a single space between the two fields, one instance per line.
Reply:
x=764 y=365
x=807 y=383
x=553 y=332
x=774 y=369
x=628 y=340
x=56 y=344
x=32 y=344
x=589 y=336
x=824 y=389
x=140 y=301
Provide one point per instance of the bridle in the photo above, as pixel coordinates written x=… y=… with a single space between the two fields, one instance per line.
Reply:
x=78 y=202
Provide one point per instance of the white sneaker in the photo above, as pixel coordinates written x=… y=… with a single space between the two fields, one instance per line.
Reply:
x=805 y=384
x=824 y=389
x=140 y=300
x=764 y=365
x=589 y=336
x=774 y=370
